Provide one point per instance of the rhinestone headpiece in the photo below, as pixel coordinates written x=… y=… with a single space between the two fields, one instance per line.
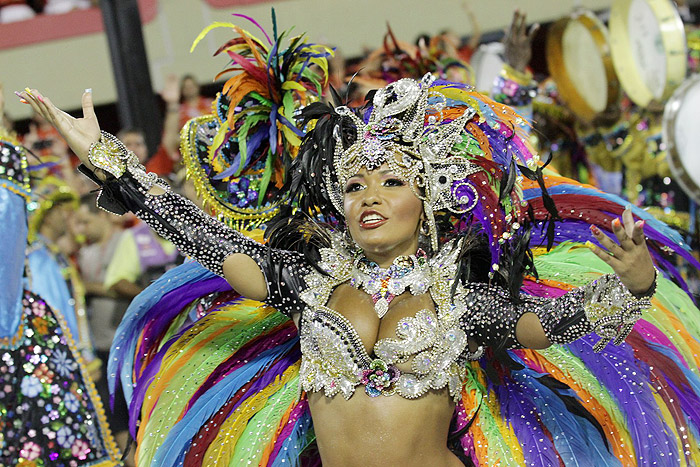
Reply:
x=407 y=131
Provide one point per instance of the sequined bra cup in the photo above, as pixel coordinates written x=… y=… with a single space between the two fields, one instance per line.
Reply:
x=334 y=359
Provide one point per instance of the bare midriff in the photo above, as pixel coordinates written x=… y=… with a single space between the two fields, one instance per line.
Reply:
x=385 y=430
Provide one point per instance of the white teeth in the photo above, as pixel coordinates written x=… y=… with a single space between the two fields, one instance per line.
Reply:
x=372 y=218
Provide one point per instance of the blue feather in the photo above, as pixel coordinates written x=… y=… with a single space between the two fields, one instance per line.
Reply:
x=295 y=443
x=121 y=359
x=569 y=434
x=519 y=411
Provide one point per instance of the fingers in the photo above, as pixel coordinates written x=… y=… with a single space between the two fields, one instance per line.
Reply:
x=602 y=254
x=613 y=248
x=54 y=112
x=620 y=232
x=37 y=101
x=638 y=233
x=510 y=31
x=522 y=27
x=533 y=31
x=33 y=101
x=628 y=220
x=88 y=106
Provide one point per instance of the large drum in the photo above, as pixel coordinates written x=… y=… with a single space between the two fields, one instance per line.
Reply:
x=681 y=136
x=578 y=57
x=648 y=48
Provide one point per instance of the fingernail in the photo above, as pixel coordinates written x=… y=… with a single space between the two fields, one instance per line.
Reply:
x=21 y=99
x=18 y=94
x=628 y=207
x=27 y=90
x=88 y=90
x=641 y=224
x=616 y=223
x=589 y=244
x=40 y=97
x=595 y=230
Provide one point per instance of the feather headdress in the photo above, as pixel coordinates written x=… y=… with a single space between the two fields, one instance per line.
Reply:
x=239 y=156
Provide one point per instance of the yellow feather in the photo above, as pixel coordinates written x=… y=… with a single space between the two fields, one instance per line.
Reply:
x=211 y=27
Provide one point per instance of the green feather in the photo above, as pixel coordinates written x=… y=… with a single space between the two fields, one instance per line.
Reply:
x=267 y=175
x=261 y=428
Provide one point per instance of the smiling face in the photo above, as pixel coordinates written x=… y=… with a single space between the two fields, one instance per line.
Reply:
x=383 y=214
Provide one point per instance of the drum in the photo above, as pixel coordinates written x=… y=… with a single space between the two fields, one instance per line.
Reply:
x=681 y=136
x=648 y=47
x=579 y=61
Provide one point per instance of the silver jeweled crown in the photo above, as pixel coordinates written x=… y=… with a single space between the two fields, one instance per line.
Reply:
x=406 y=131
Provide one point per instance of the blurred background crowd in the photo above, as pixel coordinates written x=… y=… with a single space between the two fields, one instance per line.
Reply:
x=105 y=260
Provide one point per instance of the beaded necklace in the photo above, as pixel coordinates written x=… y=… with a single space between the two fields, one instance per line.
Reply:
x=383 y=285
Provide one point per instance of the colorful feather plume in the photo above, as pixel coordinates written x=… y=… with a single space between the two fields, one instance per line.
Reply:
x=239 y=157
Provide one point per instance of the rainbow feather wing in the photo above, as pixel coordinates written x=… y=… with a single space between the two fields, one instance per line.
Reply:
x=190 y=361
x=643 y=394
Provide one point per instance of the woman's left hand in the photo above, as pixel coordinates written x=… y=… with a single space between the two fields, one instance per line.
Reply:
x=630 y=259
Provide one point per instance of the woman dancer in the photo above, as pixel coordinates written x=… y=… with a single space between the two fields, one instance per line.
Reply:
x=416 y=271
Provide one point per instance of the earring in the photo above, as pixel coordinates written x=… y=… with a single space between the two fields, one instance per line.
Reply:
x=348 y=238
x=425 y=228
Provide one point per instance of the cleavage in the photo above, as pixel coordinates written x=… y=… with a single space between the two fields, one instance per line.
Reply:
x=358 y=308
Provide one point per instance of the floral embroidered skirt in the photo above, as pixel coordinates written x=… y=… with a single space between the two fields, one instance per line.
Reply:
x=50 y=413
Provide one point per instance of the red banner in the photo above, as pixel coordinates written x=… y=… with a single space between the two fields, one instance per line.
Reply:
x=45 y=27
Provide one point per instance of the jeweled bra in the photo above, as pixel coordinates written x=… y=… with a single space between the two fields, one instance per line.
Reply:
x=334 y=359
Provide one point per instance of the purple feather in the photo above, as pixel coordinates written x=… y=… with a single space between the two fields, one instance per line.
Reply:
x=256 y=24
x=243 y=355
x=142 y=384
x=519 y=411
x=294 y=417
x=268 y=375
x=273 y=127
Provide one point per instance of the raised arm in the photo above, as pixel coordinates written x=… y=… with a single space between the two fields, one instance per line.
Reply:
x=253 y=270
x=609 y=305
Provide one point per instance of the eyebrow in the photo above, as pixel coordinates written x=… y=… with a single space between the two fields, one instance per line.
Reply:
x=381 y=172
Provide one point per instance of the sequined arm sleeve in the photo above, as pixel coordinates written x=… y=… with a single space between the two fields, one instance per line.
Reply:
x=604 y=306
x=210 y=242
x=191 y=230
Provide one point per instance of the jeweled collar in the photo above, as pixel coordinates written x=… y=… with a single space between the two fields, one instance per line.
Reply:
x=411 y=272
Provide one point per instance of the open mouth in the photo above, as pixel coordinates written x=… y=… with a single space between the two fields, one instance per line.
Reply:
x=372 y=220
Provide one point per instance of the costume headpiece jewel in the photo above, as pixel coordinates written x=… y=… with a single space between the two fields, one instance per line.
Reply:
x=463 y=155
x=407 y=131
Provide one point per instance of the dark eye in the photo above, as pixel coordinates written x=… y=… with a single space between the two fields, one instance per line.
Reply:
x=352 y=187
x=394 y=182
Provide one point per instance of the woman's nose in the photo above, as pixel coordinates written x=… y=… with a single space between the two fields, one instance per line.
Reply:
x=371 y=196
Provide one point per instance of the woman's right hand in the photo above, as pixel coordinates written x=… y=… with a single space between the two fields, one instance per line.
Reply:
x=79 y=133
